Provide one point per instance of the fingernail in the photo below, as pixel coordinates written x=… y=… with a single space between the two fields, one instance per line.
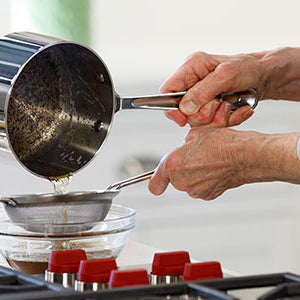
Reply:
x=167 y=115
x=248 y=114
x=188 y=107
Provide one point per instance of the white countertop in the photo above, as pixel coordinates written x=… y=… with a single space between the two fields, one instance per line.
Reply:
x=135 y=253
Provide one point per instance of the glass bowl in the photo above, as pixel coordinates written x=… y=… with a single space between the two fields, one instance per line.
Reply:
x=29 y=251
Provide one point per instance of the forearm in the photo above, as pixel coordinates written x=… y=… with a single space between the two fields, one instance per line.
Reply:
x=281 y=74
x=271 y=158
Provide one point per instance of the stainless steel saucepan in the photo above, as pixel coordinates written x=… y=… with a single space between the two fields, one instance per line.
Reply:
x=57 y=102
x=71 y=212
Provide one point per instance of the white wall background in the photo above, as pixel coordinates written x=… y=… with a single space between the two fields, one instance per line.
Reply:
x=250 y=229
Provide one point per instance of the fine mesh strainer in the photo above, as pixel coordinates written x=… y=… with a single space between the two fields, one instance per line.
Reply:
x=79 y=209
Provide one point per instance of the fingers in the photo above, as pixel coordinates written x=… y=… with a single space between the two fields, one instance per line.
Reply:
x=213 y=114
x=180 y=81
x=220 y=119
x=159 y=181
x=195 y=68
x=204 y=91
x=177 y=116
x=205 y=114
x=240 y=115
x=205 y=77
x=224 y=118
x=221 y=116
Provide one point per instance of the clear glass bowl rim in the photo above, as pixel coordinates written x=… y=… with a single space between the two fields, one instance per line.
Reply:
x=125 y=220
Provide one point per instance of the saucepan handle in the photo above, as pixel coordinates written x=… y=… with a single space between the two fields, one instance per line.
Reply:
x=130 y=181
x=170 y=101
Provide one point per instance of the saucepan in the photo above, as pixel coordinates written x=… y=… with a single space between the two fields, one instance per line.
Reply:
x=71 y=212
x=57 y=103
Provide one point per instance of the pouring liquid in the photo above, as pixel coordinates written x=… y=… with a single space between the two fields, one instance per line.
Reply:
x=61 y=186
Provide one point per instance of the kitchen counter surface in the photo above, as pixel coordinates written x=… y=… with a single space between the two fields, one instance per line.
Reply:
x=135 y=253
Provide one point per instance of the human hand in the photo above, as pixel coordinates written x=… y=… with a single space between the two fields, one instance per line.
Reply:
x=273 y=74
x=213 y=160
x=205 y=76
x=204 y=166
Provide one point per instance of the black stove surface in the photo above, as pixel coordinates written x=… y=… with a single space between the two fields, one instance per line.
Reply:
x=16 y=285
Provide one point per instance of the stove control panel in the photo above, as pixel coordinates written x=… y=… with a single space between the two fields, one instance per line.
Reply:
x=72 y=269
x=102 y=279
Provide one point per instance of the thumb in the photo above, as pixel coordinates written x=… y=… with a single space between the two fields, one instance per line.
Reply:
x=203 y=92
x=159 y=181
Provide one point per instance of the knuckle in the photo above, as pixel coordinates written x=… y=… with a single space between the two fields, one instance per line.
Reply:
x=288 y=50
x=196 y=55
x=227 y=70
x=164 y=87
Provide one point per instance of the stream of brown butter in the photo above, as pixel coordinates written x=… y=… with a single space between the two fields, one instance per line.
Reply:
x=61 y=186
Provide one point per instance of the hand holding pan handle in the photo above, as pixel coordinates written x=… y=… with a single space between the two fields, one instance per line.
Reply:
x=171 y=101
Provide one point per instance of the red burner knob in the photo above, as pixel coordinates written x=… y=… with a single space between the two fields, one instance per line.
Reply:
x=170 y=263
x=96 y=270
x=201 y=271
x=65 y=261
x=128 y=278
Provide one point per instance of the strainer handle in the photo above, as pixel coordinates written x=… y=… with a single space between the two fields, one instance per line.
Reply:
x=130 y=181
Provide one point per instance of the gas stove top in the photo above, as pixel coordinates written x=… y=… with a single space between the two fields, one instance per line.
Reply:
x=205 y=280
x=17 y=285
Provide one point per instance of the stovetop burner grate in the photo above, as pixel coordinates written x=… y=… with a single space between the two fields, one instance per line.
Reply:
x=16 y=285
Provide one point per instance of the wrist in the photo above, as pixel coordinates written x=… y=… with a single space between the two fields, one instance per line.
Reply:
x=271 y=157
x=281 y=74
